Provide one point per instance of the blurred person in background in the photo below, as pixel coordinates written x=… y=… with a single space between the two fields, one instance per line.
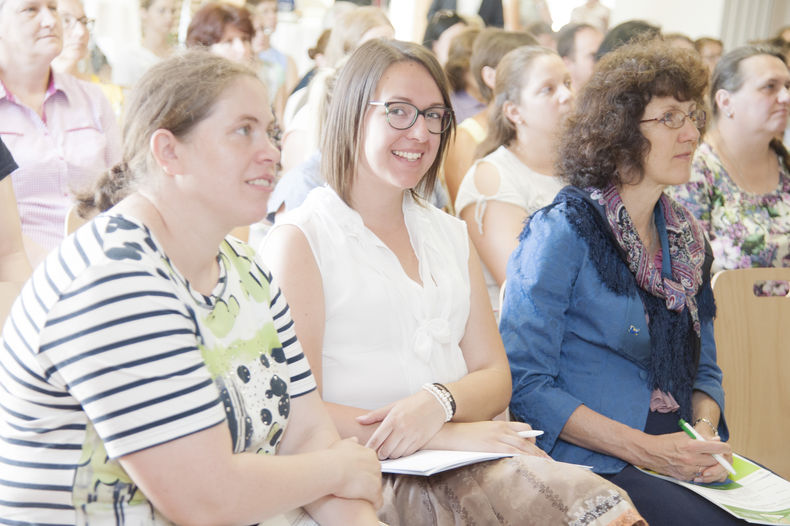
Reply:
x=710 y=49
x=74 y=59
x=592 y=12
x=488 y=49
x=351 y=29
x=680 y=40
x=577 y=44
x=61 y=131
x=442 y=29
x=740 y=184
x=545 y=35
x=624 y=33
x=316 y=54
x=280 y=68
x=156 y=24
x=465 y=95
x=515 y=171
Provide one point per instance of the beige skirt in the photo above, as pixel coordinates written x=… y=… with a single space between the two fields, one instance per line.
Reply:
x=517 y=491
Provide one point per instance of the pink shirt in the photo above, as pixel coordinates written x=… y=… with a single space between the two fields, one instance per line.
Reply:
x=65 y=151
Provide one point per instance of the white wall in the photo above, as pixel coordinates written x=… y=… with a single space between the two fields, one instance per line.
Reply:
x=695 y=18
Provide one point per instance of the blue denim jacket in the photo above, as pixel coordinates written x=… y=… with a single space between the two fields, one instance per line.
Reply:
x=571 y=341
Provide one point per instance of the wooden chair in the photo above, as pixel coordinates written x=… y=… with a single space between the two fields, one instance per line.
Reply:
x=753 y=344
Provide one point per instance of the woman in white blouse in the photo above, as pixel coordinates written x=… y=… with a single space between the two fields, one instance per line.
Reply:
x=389 y=302
x=515 y=175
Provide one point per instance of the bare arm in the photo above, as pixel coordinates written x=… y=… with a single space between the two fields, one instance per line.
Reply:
x=311 y=429
x=672 y=454
x=485 y=357
x=502 y=223
x=14 y=264
x=174 y=475
x=460 y=156
x=511 y=15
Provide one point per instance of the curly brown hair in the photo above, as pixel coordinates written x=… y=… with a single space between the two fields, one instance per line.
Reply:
x=601 y=142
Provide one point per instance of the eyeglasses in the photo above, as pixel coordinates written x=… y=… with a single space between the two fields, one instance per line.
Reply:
x=403 y=115
x=676 y=119
x=70 y=21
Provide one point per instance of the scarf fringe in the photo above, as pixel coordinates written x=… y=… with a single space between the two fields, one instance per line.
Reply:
x=672 y=367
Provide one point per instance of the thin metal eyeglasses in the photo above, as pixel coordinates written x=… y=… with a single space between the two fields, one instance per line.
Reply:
x=84 y=21
x=403 y=115
x=676 y=119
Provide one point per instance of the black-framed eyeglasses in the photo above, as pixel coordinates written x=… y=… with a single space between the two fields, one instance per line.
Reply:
x=676 y=118
x=403 y=115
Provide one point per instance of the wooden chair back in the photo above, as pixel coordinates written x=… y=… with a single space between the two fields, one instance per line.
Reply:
x=753 y=345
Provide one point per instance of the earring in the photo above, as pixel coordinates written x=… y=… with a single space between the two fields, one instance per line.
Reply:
x=729 y=114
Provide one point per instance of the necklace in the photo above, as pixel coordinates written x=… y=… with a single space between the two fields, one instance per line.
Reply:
x=759 y=183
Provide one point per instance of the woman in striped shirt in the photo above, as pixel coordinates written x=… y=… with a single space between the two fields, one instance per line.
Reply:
x=149 y=367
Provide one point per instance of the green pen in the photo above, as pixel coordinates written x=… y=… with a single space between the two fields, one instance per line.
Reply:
x=690 y=431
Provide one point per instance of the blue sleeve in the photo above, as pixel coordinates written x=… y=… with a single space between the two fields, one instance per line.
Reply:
x=541 y=274
x=708 y=379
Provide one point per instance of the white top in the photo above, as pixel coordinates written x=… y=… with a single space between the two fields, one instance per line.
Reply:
x=132 y=63
x=108 y=351
x=518 y=185
x=597 y=16
x=386 y=335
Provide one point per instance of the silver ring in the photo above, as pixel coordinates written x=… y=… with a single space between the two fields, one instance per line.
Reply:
x=699 y=472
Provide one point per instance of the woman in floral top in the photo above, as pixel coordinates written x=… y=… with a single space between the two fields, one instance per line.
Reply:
x=740 y=182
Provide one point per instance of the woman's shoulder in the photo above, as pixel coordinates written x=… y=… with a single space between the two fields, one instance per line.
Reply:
x=322 y=217
x=473 y=128
x=706 y=167
x=111 y=255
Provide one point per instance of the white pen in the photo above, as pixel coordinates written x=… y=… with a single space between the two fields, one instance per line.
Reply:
x=530 y=433
x=693 y=433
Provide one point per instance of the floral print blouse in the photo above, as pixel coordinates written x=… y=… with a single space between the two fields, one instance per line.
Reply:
x=744 y=229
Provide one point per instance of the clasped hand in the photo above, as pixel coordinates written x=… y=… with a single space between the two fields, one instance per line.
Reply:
x=417 y=422
x=360 y=472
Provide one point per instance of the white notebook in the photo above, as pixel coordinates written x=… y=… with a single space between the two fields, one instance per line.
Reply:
x=429 y=461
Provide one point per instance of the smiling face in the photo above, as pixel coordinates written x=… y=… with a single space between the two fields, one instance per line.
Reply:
x=761 y=104
x=229 y=161
x=399 y=158
x=545 y=97
x=671 y=150
x=30 y=29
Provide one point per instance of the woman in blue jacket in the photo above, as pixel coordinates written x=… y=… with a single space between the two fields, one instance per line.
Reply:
x=607 y=316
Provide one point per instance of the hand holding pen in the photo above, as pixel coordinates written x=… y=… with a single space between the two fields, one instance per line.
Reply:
x=693 y=433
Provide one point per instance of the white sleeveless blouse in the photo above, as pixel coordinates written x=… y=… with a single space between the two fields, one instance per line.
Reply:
x=386 y=335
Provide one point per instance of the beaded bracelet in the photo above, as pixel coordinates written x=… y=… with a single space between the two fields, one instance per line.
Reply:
x=710 y=424
x=443 y=396
x=448 y=395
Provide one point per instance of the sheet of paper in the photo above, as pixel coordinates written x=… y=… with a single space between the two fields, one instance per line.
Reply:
x=755 y=494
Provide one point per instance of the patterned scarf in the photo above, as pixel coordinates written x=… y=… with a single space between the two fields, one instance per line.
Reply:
x=677 y=275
